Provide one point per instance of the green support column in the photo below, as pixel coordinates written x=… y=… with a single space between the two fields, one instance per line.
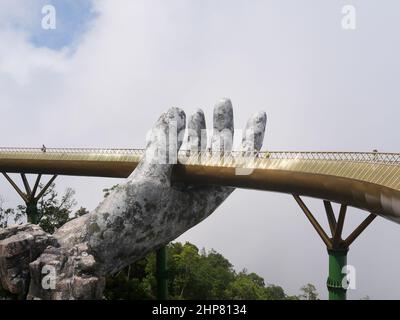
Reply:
x=162 y=273
x=337 y=260
x=337 y=247
x=32 y=212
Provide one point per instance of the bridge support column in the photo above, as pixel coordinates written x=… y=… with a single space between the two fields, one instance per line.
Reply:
x=338 y=248
x=337 y=261
x=29 y=196
x=162 y=273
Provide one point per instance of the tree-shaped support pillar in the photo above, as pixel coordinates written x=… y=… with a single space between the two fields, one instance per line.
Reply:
x=29 y=196
x=337 y=247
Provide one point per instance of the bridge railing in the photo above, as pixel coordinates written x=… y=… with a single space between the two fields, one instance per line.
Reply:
x=389 y=158
x=72 y=150
x=366 y=157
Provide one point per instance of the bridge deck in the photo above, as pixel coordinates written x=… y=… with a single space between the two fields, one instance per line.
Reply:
x=370 y=181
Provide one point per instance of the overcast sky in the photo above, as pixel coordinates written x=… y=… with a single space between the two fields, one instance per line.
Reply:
x=107 y=71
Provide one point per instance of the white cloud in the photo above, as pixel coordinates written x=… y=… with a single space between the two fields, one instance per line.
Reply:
x=18 y=13
x=23 y=63
x=321 y=88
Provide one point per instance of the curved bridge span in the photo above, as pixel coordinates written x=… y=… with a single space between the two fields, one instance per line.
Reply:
x=365 y=180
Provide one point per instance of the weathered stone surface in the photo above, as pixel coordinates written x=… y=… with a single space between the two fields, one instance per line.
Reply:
x=253 y=135
x=197 y=136
x=222 y=139
x=140 y=215
x=70 y=275
x=72 y=232
x=20 y=245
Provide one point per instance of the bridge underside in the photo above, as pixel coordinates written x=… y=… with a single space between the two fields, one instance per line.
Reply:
x=377 y=199
x=368 y=181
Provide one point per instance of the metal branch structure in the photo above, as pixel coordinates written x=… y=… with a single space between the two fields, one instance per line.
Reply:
x=366 y=180
x=336 y=246
x=30 y=197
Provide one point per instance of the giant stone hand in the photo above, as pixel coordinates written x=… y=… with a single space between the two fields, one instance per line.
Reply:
x=146 y=212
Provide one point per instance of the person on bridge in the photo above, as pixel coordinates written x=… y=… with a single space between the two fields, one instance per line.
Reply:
x=375 y=151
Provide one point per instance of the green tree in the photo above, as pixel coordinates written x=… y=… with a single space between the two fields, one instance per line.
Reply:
x=131 y=283
x=276 y=293
x=309 y=292
x=192 y=274
x=9 y=216
x=248 y=287
x=54 y=210
x=196 y=275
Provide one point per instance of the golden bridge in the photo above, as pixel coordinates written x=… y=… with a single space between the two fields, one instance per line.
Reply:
x=366 y=180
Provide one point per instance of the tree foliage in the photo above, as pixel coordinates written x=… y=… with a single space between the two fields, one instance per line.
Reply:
x=192 y=274
x=309 y=292
x=9 y=216
x=53 y=210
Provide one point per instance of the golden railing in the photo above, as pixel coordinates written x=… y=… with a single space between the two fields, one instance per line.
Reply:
x=373 y=167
